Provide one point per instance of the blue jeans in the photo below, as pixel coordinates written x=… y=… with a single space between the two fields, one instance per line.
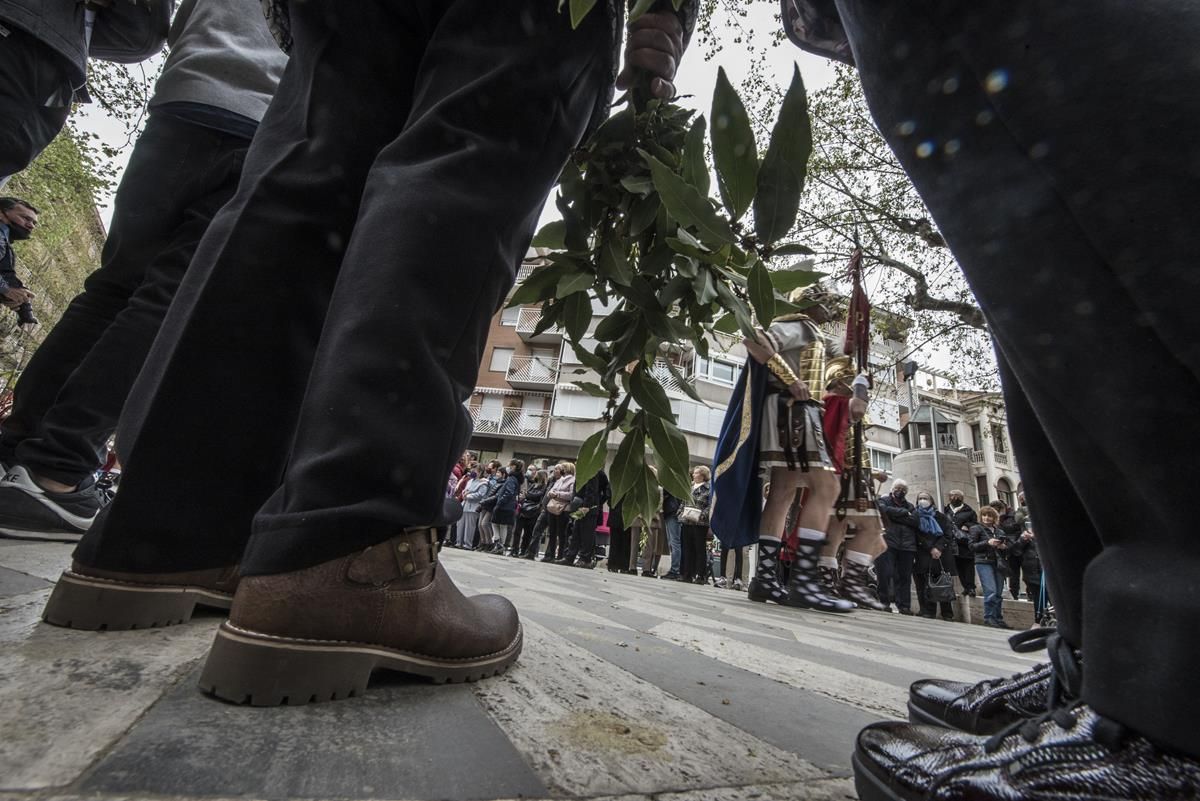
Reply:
x=993 y=585
x=674 y=541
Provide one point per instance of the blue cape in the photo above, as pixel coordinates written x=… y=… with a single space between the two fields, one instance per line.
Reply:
x=737 y=485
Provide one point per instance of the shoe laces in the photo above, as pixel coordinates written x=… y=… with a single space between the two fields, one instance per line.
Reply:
x=1105 y=731
x=1029 y=730
x=1063 y=695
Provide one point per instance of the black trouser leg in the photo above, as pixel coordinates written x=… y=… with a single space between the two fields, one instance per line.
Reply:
x=33 y=72
x=885 y=571
x=406 y=156
x=618 y=548
x=1014 y=579
x=70 y=395
x=585 y=535
x=923 y=604
x=700 y=557
x=965 y=568
x=687 y=565
x=1065 y=205
x=903 y=573
x=553 y=529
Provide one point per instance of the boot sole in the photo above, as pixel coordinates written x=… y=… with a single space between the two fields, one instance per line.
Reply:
x=869 y=786
x=96 y=604
x=246 y=667
x=794 y=603
x=921 y=717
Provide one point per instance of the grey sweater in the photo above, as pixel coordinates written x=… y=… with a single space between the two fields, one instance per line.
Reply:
x=222 y=55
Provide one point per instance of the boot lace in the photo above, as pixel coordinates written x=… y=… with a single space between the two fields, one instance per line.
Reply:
x=1063 y=695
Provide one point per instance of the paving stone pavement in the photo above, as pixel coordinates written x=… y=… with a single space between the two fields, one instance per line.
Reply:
x=628 y=689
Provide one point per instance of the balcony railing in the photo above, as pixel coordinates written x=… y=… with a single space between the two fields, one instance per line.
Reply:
x=1000 y=458
x=532 y=370
x=977 y=457
x=510 y=422
x=527 y=323
x=524 y=271
x=670 y=383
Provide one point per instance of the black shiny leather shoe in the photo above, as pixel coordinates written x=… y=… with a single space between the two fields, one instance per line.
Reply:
x=983 y=708
x=1068 y=753
x=994 y=704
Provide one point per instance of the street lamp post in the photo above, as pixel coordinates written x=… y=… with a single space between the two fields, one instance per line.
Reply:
x=910 y=372
x=937 y=463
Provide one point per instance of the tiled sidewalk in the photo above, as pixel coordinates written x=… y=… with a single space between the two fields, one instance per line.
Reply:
x=627 y=688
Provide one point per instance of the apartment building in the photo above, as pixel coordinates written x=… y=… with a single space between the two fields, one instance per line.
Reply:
x=970 y=430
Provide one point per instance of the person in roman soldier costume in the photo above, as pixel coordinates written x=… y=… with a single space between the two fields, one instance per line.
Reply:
x=855 y=530
x=773 y=429
x=855 y=522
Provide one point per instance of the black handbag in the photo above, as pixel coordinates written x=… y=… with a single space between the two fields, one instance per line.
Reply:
x=940 y=589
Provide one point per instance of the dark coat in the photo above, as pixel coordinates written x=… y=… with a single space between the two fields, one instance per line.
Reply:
x=1027 y=551
x=900 y=521
x=984 y=553
x=944 y=542
x=506 y=500
x=533 y=501
x=964 y=517
x=1010 y=526
x=125 y=32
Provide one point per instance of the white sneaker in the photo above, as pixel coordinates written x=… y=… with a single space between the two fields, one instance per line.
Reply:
x=895 y=610
x=721 y=583
x=737 y=584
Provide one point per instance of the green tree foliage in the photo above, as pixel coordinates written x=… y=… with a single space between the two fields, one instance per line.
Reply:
x=858 y=194
x=856 y=187
x=64 y=248
x=641 y=235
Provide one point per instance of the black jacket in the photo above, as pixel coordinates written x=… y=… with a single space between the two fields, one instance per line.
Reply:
x=944 y=542
x=594 y=494
x=125 y=32
x=1010 y=526
x=506 y=500
x=533 y=501
x=670 y=505
x=1027 y=550
x=900 y=523
x=984 y=553
x=965 y=516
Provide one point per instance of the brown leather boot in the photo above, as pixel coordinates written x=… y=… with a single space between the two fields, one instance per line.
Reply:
x=94 y=599
x=316 y=634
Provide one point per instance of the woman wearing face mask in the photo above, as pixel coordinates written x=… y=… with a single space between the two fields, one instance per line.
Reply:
x=935 y=554
x=505 y=512
x=895 y=565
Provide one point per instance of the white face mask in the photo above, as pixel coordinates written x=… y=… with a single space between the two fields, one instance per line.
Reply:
x=924 y=503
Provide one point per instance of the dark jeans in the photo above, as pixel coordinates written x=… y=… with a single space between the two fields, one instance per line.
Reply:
x=69 y=397
x=33 y=73
x=556 y=535
x=1068 y=200
x=693 y=563
x=993 y=591
x=522 y=533
x=894 y=570
x=320 y=349
x=583 y=537
x=924 y=568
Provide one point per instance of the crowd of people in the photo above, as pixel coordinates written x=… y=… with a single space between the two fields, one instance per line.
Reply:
x=534 y=512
